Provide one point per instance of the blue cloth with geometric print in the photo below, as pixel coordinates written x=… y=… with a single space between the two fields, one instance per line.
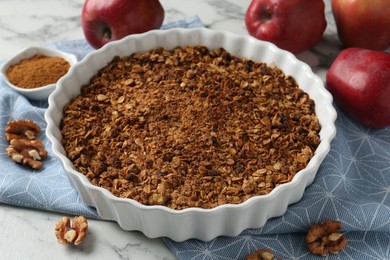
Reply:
x=352 y=186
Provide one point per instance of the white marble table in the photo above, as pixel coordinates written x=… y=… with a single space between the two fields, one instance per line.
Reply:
x=29 y=234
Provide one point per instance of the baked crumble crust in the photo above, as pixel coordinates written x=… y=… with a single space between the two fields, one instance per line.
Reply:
x=190 y=127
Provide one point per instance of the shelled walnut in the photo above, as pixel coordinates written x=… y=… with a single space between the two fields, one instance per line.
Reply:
x=71 y=232
x=21 y=129
x=262 y=254
x=24 y=148
x=323 y=239
x=27 y=152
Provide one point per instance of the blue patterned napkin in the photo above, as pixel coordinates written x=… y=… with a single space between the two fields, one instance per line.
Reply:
x=352 y=185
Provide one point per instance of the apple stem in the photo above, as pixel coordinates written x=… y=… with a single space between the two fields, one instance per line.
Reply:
x=265 y=13
x=107 y=33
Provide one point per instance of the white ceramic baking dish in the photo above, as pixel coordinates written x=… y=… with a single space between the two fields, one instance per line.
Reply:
x=203 y=224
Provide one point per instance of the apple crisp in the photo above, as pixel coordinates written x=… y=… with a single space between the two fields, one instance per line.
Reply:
x=189 y=127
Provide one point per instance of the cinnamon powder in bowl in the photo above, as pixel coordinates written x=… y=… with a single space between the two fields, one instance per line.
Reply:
x=37 y=71
x=34 y=71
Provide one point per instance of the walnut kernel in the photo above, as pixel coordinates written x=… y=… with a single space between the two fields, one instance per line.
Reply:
x=73 y=233
x=262 y=254
x=25 y=129
x=323 y=239
x=27 y=152
x=24 y=149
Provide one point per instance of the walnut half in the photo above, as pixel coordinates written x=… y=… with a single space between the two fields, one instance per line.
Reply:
x=262 y=254
x=21 y=129
x=27 y=152
x=73 y=233
x=323 y=239
x=24 y=148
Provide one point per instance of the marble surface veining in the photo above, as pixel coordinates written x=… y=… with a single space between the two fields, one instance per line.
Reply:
x=28 y=233
x=27 y=22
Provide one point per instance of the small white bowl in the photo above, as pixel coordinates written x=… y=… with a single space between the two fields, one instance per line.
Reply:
x=43 y=92
x=203 y=224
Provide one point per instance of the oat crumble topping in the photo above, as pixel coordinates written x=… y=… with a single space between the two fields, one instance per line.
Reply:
x=190 y=127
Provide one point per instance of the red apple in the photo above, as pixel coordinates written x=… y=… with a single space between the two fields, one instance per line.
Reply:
x=293 y=25
x=359 y=80
x=108 y=20
x=363 y=23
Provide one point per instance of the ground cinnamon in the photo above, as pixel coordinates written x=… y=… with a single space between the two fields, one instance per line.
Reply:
x=37 y=71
